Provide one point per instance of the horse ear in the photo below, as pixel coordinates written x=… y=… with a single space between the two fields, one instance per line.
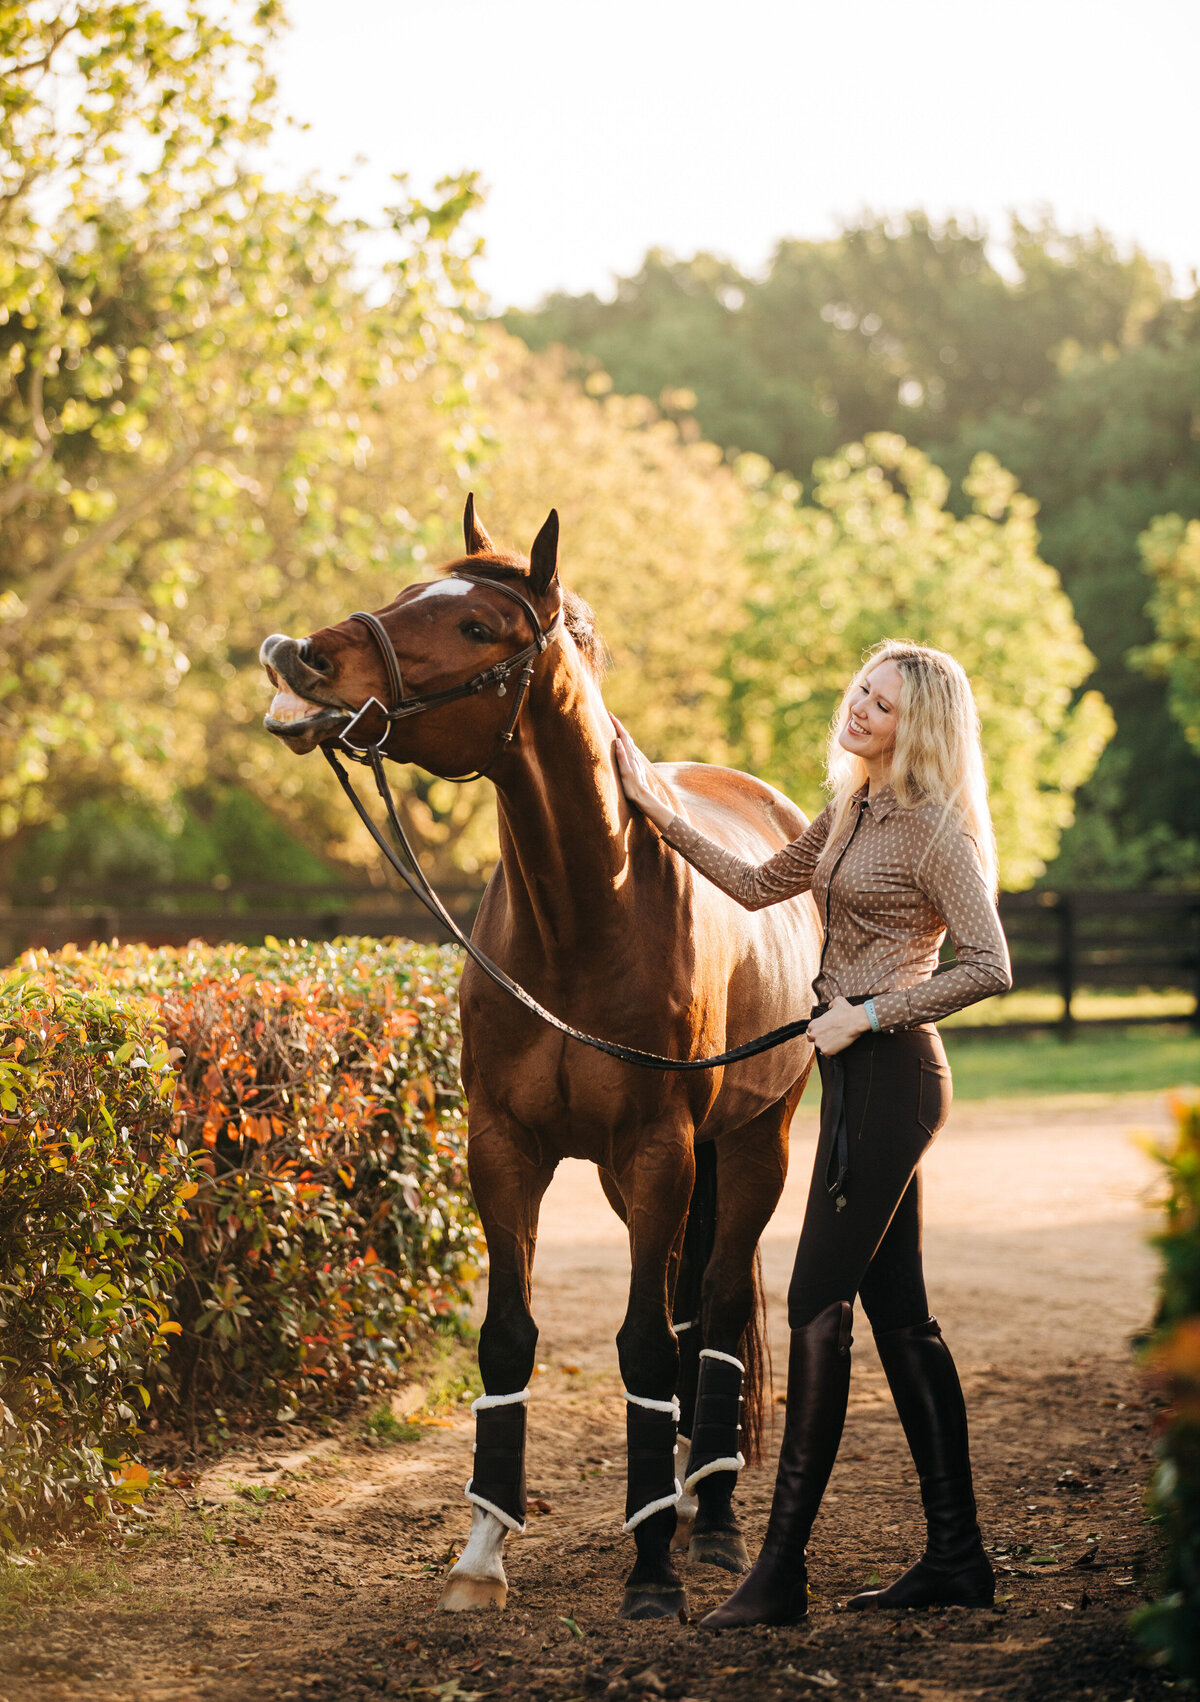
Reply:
x=543 y=557
x=477 y=541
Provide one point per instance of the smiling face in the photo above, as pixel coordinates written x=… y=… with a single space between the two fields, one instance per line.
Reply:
x=872 y=717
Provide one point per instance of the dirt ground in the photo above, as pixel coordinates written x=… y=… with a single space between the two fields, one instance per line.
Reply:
x=310 y=1568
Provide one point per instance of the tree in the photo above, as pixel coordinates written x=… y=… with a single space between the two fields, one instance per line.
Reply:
x=182 y=354
x=651 y=535
x=1072 y=364
x=1171 y=550
x=1111 y=445
x=878 y=554
x=895 y=324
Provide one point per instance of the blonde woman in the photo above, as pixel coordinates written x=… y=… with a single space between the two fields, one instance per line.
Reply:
x=902 y=853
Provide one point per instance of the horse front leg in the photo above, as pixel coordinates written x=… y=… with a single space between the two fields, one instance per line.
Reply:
x=750 y=1170
x=656 y=1187
x=508 y=1185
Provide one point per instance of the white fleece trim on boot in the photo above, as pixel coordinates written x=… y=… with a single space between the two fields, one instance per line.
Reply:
x=726 y=1358
x=486 y=1401
x=506 y=1519
x=729 y=1464
x=652 y=1507
x=671 y=1406
x=689 y=1325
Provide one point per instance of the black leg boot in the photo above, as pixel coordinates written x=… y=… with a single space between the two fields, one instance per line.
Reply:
x=954 y=1571
x=498 y=1475
x=775 y=1590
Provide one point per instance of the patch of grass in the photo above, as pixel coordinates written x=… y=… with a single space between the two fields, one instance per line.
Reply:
x=1088 y=1005
x=446 y=1363
x=261 y=1493
x=386 y=1427
x=40 y=1581
x=1129 y=1060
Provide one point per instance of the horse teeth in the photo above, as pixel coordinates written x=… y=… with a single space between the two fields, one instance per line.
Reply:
x=286 y=707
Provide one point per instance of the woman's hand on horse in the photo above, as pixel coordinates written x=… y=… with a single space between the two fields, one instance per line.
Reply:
x=634 y=772
x=838 y=1028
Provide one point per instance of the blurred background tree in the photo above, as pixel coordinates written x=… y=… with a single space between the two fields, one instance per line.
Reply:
x=223 y=412
x=1171 y=548
x=1066 y=358
x=878 y=552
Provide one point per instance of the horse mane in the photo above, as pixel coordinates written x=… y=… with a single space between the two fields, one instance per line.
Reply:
x=578 y=616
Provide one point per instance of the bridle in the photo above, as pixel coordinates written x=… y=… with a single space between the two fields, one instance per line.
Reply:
x=403 y=707
x=372 y=754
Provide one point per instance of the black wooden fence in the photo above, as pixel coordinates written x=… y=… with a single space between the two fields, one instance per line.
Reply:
x=1065 y=942
x=1061 y=942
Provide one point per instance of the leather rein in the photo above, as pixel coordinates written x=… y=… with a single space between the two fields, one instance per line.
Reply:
x=371 y=753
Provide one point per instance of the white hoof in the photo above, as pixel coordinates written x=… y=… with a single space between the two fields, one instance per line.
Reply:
x=477 y=1580
x=468 y=1595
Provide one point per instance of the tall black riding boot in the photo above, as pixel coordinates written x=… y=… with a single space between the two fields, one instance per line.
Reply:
x=954 y=1571
x=775 y=1590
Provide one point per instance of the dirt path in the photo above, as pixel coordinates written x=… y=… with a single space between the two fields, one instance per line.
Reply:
x=1039 y=1275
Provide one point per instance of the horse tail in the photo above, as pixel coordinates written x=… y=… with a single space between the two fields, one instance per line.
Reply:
x=699 y=1238
x=755 y=1354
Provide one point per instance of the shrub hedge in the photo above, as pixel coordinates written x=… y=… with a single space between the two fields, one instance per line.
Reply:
x=1170 y=1626
x=317 y=1131
x=319 y=1088
x=92 y=1182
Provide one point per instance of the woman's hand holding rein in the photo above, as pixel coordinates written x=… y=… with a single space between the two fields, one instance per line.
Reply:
x=634 y=773
x=839 y=1027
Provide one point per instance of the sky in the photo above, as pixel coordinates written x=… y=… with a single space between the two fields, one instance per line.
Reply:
x=603 y=131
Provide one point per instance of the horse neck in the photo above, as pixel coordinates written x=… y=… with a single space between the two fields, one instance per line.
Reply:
x=564 y=820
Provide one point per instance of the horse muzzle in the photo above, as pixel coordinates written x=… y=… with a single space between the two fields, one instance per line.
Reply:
x=298 y=715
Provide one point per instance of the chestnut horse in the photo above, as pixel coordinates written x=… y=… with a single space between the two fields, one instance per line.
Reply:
x=611 y=930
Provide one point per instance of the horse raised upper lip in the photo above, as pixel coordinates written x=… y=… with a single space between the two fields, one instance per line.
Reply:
x=288 y=717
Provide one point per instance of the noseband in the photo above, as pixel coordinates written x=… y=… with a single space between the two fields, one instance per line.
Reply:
x=352 y=738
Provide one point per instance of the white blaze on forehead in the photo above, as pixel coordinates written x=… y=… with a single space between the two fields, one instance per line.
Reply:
x=444 y=587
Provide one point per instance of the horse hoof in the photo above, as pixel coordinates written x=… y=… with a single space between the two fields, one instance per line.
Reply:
x=469 y=1595
x=683 y=1535
x=725 y=1549
x=644 y=1601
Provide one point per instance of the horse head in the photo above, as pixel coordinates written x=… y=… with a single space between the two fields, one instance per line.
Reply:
x=450 y=641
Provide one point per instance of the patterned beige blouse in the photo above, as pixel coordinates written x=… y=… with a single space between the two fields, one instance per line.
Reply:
x=887 y=897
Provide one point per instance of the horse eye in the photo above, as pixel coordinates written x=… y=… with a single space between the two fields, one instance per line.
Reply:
x=477 y=631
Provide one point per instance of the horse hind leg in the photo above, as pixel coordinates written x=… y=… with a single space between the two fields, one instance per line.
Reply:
x=751 y=1167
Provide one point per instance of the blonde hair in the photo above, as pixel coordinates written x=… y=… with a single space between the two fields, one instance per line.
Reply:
x=937 y=758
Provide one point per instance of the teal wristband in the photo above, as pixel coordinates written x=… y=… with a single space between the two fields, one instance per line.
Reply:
x=869 y=1007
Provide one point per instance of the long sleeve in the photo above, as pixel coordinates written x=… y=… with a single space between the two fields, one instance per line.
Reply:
x=955 y=887
x=753 y=885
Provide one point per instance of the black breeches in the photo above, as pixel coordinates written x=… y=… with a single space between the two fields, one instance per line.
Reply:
x=896 y=1096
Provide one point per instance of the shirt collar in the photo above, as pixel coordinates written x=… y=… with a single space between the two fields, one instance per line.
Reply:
x=882 y=804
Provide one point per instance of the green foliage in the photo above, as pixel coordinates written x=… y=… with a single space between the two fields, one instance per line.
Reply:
x=901 y=325
x=1132 y=1060
x=333 y=1219
x=187 y=363
x=327 y=1219
x=1171 y=550
x=92 y=1181
x=879 y=554
x=1170 y=1626
x=1111 y=445
x=221 y=833
x=1073 y=366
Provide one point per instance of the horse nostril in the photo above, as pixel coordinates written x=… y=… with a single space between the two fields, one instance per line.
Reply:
x=312 y=659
